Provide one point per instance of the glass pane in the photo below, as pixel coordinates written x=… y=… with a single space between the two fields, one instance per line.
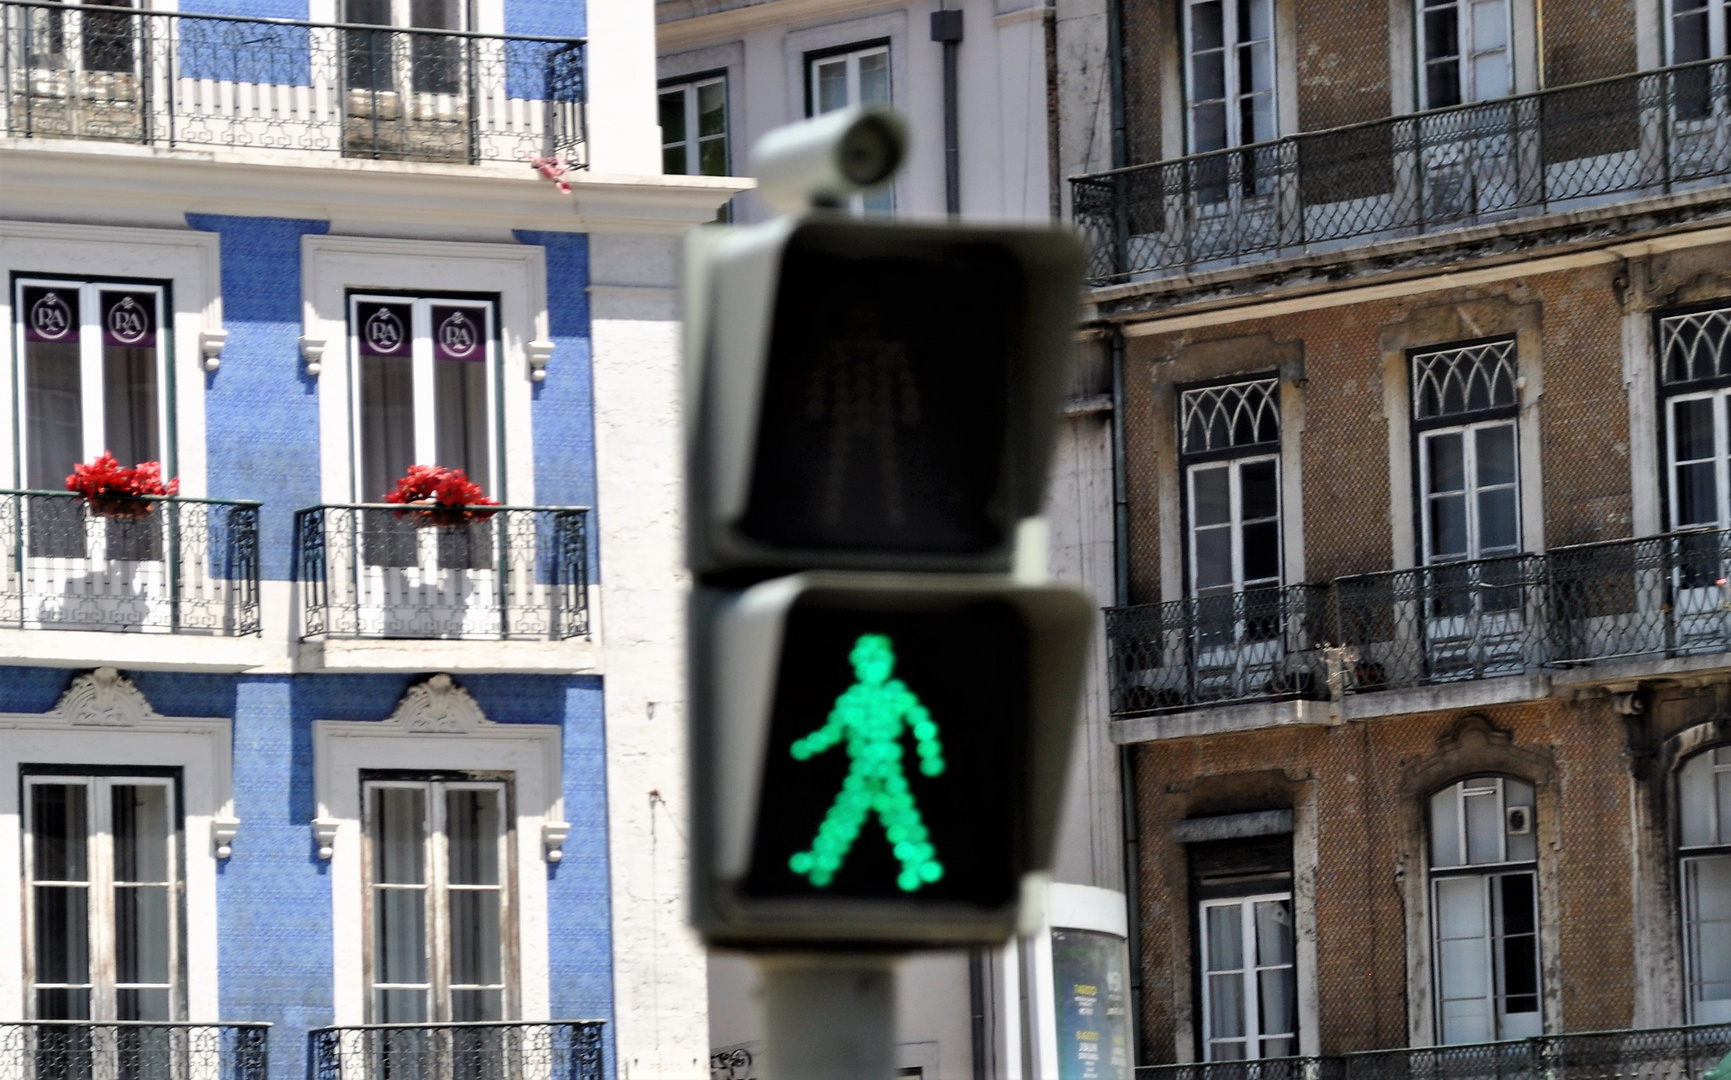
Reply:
x=1490 y=76
x=1225 y=937
x=1442 y=81
x=1460 y=911
x=1213 y=557
x=1697 y=494
x=1206 y=30
x=1692 y=429
x=1695 y=789
x=711 y=108
x=1256 y=20
x=141 y=830
x=1208 y=129
x=1497 y=522
x=1707 y=892
x=1259 y=489
x=1226 y=1051
x=1207 y=77
x=673 y=160
x=1262 y=552
x=1496 y=454
x=399 y=837
x=400 y=1006
x=1225 y=1005
x=1211 y=502
x=874 y=79
x=1273 y=935
x=436 y=14
x=1275 y=992
x=387 y=423
x=141 y=933
x=712 y=157
x=59 y=825
x=1516 y=910
x=1484 y=814
x=831 y=84
x=473 y=820
x=129 y=389
x=1447 y=471
x=1689 y=33
x=400 y=951
x=62 y=934
x=672 y=113
x=61 y=1003
x=477 y=1006
x=146 y=1004
x=1722 y=787
x=460 y=409
x=475 y=931
x=1448 y=527
x=1519 y=958
x=1445 y=827
x=1490 y=25
x=1441 y=34
x=54 y=408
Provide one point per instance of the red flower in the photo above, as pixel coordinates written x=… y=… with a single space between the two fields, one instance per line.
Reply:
x=446 y=493
x=107 y=478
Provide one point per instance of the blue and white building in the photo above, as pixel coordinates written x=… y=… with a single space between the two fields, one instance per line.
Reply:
x=408 y=789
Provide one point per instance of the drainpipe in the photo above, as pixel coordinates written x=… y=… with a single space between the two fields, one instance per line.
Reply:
x=1115 y=54
x=1126 y=754
x=977 y=1008
x=947 y=29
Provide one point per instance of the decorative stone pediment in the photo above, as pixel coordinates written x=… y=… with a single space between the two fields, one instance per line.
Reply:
x=103 y=698
x=438 y=706
x=1473 y=744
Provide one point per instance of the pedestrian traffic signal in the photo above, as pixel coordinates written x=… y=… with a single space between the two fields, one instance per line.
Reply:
x=881 y=713
x=885 y=753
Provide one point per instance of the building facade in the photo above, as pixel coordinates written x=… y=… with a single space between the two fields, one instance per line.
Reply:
x=295 y=781
x=1415 y=316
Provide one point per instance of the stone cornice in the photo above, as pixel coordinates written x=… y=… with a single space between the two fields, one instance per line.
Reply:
x=683 y=25
x=72 y=181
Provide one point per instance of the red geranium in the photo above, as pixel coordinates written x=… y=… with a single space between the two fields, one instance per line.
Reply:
x=113 y=490
x=447 y=494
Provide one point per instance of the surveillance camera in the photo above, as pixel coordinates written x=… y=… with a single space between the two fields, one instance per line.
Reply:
x=825 y=160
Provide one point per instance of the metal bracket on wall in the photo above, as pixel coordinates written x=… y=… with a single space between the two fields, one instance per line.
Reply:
x=325 y=834
x=313 y=351
x=222 y=832
x=553 y=836
x=540 y=351
x=210 y=343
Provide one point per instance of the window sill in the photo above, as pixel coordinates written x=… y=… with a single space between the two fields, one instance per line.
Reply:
x=137 y=651
x=576 y=657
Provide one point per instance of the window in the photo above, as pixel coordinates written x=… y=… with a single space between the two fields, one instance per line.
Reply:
x=1696 y=30
x=858 y=75
x=1249 y=1007
x=1230 y=73
x=1704 y=841
x=438 y=858
x=1695 y=382
x=1231 y=456
x=94 y=368
x=381 y=61
x=90 y=40
x=102 y=898
x=694 y=128
x=1465 y=45
x=426 y=389
x=1484 y=910
x=1464 y=407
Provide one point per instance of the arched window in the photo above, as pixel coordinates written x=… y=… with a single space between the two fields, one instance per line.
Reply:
x=1484 y=910
x=1704 y=803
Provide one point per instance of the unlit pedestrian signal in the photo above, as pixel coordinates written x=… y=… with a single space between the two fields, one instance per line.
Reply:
x=881 y=711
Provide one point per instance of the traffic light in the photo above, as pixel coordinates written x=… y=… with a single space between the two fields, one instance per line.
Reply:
x=881 y=713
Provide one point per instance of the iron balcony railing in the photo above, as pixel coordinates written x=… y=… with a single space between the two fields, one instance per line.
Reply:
x=147 y=565
x=86 y=1050
x=1655 y=597
x=166 y=79
x=508 y=1050
x=1561 y=149
x=487 y=572
x=1262 y=644
x=1678 y=1053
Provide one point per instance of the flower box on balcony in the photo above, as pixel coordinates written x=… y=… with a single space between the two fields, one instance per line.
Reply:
x=112 y=490
x=440 y=498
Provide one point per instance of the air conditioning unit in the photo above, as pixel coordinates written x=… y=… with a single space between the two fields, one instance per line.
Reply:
x=1519 y=820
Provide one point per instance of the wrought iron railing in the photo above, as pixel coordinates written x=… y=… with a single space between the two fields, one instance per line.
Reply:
x=1264 y=644
x=1677 y=1053
x=1561 y=149
x=151 y=565
x=490 y=572
x=556 y=1050
x=1662 y=596
x=166 y=79
x=85 y=1050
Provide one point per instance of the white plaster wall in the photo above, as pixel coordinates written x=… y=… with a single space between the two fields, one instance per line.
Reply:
x=1001 y=98
x=623 y=128
x=1084 y=90
x=660 y=991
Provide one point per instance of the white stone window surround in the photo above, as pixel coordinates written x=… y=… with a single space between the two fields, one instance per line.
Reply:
x=890 y=26
x=333 y=266
x=727 y=60
x=101 y=722
x=188 y=260
x=438 y=727
x=488 y=15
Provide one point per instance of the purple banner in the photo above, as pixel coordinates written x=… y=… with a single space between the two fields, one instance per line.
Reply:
x=51 y=314
x=459 y=333
x=384 y=329
x=129 y=319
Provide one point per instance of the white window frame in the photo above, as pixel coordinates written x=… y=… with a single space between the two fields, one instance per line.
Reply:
x=1234 y=93
x=1465 y=39
x=1470 y=474
x=438 y=888
x=881 y=201
x=1236 y=521
x=1716 y=26
x=1721 y=399
x=425 y=402
x=1234 y=459
x=92 y=392
x=1714 y=762
x=100 y=884
x=401 y=12
x=1251 y=970
x=689 y=90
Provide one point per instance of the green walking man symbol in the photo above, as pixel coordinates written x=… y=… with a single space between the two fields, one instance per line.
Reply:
x=871 y=715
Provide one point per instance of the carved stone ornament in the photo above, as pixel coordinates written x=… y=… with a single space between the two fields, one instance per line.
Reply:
x=103 y=698
x=438 y=706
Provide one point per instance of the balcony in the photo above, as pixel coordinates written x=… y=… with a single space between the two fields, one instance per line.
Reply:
x=82 y=1050
x=1679 y=1053
x=167 y=81
x=1612 y=610
x=508 y=573
x=1564 y=149
x=147 y=565
x=558 y=1050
